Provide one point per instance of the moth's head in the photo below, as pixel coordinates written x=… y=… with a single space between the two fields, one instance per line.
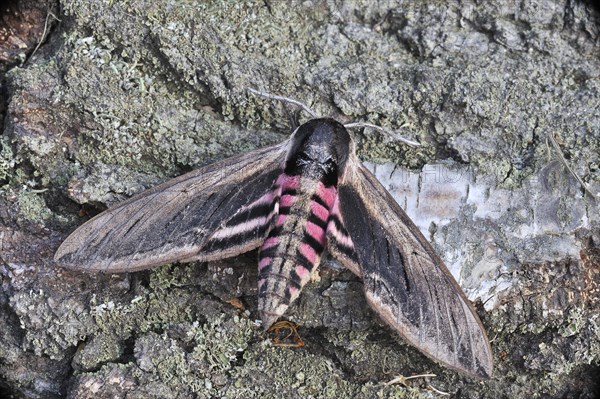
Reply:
x=319 y=143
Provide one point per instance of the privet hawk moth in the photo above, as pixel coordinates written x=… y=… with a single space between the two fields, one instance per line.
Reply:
x=294 y=200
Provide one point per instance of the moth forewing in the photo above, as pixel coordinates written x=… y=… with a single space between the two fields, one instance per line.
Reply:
x=406 y=282
x=175 y=220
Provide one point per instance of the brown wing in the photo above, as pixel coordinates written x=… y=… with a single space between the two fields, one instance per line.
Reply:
x=405 y=281
x=175 y=220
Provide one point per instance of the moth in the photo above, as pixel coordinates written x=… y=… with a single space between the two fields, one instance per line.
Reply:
x=295 y=200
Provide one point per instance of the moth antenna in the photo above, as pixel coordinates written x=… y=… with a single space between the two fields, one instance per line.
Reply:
x=348 y=125
x=285 y=99
x=394 y=135
x=566 y=165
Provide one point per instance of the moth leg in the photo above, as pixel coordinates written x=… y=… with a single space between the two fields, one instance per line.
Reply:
x=285 y=334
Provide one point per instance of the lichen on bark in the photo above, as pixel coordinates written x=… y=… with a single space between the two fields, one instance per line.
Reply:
x=125 y=94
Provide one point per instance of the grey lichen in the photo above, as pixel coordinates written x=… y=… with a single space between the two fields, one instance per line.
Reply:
x=38 y=312
x=7 y=159
x=134 y=122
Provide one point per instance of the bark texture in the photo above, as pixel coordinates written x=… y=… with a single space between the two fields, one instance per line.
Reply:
x=125 y=94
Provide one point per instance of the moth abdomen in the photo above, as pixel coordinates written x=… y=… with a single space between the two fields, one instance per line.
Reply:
x=293 y=248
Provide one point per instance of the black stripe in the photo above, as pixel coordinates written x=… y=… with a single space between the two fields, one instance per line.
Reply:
x=338 y=223
x=284 y=210
x=317 y=220
x=179 y=217
x=131 y=227
x=219 y=206
x=255 y=212
x=314 y=244
x=349 y=252
x=263 y=288
x=295 y=279
x=268 y=253
x=276 y=231
x=302 y=261
x=290 y=191
x=265 y=271
x=330 y=178
x=315 y=197
x=284 y=298
x=294 y=283
x=215 y=244
x=404 y=273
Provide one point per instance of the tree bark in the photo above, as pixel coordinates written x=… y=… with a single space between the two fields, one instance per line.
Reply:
x=504 y=98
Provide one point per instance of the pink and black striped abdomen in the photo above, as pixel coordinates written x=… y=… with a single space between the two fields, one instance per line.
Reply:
x=295 y=243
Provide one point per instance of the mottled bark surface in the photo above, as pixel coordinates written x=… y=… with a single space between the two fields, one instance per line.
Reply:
x=123 y=95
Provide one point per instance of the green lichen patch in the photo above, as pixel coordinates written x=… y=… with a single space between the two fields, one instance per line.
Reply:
x=297 y=373
x=100 y=349
x=33 y=206
x=185 y=360
x=219 y=343
x=573 y=323
x=119 y=318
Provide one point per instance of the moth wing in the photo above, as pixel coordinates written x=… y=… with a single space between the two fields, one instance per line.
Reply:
x=184 y=219
x=405 y=281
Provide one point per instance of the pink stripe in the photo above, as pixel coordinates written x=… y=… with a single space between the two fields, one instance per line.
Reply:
x=302 y=272
x=261 y=282
x=281 y=219
x=308 y=252
x=335 y=209
x=281 y=179
x=240 y=228
x=340 y=237
x=287 y=200
x=316 y=232
x=264 y=262
x=291 y=182
x=267 y=198
x=293 y=291
x=328 y=195
x=319 y=210
x=270 y=242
